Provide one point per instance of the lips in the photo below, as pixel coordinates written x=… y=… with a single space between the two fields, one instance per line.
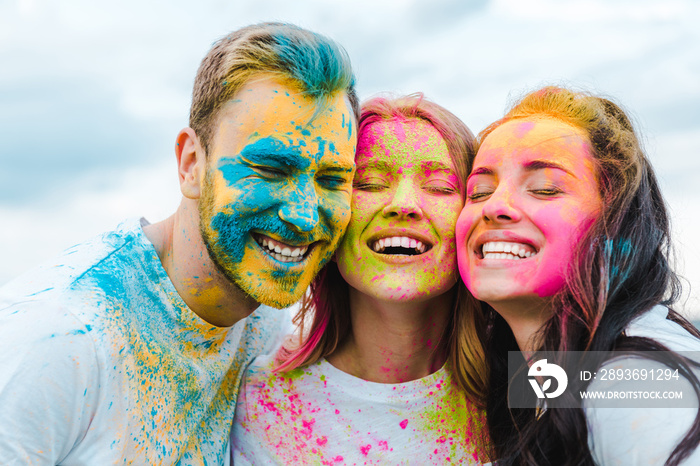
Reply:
x=399 y=245
x=506 y=250
x=280 y=251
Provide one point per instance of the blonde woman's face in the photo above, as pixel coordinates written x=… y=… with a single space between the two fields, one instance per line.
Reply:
x=400 y=242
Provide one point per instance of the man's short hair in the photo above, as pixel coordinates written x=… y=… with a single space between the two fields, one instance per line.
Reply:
x=305 y=60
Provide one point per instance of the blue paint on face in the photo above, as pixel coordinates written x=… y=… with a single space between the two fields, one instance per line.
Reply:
x=283 y=184
x=270 y=150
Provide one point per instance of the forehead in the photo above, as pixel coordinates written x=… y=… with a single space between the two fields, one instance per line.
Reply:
x=547 y=139
x=267 y=108
x=401 y=141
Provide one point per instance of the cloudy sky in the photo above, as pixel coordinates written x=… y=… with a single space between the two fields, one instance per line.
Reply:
x=92 y=93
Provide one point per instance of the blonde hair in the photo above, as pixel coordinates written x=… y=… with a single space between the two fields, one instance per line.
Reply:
x=305 y=60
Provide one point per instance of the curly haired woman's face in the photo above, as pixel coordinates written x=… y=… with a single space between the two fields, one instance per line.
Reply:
x=531 y=196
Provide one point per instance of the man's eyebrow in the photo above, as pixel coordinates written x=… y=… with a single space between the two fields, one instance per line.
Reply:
x=271 y=151
x=338 y=168
x=535 y=165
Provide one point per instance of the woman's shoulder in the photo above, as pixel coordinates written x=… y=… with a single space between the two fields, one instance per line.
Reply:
x=643 y=408
x=655 y=324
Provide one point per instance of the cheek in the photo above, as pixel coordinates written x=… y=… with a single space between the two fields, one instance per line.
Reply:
x=462 y=230
x=336 y=208
x=563 y=232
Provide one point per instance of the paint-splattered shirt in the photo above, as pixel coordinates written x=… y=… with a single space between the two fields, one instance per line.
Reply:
x=321 y=415
x=101 y=362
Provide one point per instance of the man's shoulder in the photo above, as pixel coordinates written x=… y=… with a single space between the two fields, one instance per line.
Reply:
x=55 y=279
x=265 y=329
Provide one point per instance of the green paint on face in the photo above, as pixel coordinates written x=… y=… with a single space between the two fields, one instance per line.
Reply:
x=400 y=241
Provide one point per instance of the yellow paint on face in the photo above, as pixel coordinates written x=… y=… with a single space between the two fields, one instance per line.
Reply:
x=405 y=187
x=280 y=169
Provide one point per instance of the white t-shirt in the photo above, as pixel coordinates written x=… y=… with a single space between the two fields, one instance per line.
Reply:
x=321 y=415
x=101 y=362
x=642 y=436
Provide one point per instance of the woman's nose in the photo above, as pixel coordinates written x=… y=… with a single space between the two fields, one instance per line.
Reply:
x=501 y=207
x=404 y=203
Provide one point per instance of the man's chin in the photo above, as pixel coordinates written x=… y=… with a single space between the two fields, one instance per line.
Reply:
x=275 y=293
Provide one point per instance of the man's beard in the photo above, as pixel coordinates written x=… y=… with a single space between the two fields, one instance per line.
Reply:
x=284 y=288
x=206 y=208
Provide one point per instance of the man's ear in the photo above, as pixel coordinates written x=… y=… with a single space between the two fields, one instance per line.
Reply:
x=191 y=163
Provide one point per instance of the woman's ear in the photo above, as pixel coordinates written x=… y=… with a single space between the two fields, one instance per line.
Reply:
x=191 y=163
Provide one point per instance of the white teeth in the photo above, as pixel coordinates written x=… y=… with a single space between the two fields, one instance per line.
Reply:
x=506 y=250
x=398 y=241
x=283 y=253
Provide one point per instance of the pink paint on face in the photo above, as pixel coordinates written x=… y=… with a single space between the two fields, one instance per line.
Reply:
x=531 y=196
x=400 y=242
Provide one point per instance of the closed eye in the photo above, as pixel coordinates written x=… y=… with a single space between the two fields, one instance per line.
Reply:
x=477 y=196
x=332 y=182
x=371 y=187
x=269 y=172
x=547 y=192
x=441 y=190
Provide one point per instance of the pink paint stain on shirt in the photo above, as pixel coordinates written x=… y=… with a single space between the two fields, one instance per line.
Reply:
x=307 y=429
x=383 y=445
x=322 y=440
x=365 y=449
x=403 y=423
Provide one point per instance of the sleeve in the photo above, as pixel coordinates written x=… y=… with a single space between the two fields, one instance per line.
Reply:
x=641 y=435
x=48 y=383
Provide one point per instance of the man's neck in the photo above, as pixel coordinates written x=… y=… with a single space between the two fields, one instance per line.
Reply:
x=199 y=283
x=394 y=342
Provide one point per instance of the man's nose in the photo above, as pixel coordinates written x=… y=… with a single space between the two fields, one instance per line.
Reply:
x=300 y=209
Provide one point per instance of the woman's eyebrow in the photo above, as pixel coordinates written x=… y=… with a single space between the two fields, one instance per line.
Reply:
x=435 y=165
x=480 y=171
x=534 y=165
x=378 y=165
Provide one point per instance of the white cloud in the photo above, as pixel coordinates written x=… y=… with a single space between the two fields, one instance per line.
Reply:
x=112 y=82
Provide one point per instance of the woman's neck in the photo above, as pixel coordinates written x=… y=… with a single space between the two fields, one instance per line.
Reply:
x=525 y=319
x=394 y=342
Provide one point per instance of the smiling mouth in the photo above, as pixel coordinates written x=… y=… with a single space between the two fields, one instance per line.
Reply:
x=507 y=251
x=281 y=251
x=400 y=246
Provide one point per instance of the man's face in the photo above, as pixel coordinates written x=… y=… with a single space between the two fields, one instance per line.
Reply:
x=277 y=190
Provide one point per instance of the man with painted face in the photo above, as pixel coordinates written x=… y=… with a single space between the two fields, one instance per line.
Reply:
x=130 y=348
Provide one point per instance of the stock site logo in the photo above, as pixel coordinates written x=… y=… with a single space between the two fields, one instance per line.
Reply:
x=543 y=370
